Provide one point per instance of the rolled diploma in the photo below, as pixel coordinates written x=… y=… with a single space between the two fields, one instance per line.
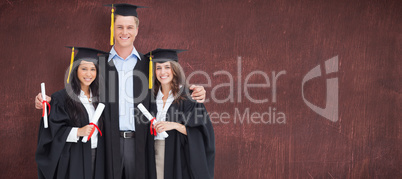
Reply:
x=149 y=116
x=43 y=91
x=95 y=119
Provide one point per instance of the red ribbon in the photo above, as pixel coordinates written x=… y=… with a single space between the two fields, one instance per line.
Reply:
x=44 y=107
x=153 y=131
x=93 y=130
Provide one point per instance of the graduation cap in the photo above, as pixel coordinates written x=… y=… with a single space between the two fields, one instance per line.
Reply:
x=123 y=10
x=160 y=56
x=83 y=53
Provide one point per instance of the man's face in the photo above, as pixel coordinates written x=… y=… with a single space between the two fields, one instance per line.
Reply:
x=125 y=31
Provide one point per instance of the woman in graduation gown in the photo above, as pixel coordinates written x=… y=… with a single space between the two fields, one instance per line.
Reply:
x=60 y=152
x=189 y=150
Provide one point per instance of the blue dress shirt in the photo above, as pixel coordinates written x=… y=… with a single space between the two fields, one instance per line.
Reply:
x=125 y=69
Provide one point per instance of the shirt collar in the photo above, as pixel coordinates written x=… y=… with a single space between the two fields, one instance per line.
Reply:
x=82 y=94
x=160 y=94
x=113 y=53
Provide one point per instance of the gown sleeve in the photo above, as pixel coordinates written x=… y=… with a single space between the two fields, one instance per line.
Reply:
x=52 y=140
x=200 y=140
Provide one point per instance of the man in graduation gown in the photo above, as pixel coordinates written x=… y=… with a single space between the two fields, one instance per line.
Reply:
x=127 y=74
x=127 y=85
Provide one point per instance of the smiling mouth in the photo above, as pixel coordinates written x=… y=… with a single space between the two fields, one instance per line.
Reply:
x=88 y=79
x=124 y=38
x=163 y=77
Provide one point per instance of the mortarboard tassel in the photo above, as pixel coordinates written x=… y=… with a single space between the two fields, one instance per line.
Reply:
x=71 y=65
x=112 y=27
x=150 y=71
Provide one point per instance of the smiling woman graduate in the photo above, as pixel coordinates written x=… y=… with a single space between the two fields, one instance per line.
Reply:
x=189 y=150
x=60 y=152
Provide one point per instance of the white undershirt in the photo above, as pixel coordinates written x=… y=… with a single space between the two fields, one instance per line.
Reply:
x=162 y=111
x=72 y=137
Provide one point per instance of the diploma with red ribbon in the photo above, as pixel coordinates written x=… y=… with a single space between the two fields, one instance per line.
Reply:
x=95 y=118
x=152 y=119
x=44 y=103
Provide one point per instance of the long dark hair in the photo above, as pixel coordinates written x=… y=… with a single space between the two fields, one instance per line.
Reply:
x=75 y=108
x=179 y=79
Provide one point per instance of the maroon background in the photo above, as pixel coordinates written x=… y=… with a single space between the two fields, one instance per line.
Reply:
x=276 y=35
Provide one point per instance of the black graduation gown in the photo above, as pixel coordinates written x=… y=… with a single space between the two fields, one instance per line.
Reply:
x=190 y=156
x=112 y=130
x=57 y=158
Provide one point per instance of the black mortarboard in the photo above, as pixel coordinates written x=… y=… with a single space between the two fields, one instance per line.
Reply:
x=83 y=53
x=125 y=9
x=161 y=55
x=164 y=55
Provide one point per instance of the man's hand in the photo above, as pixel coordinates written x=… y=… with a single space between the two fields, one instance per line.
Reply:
x=39 y=100
x=198 y=94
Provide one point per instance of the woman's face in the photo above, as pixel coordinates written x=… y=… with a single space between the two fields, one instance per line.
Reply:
x=164 y=73
x=86 y=73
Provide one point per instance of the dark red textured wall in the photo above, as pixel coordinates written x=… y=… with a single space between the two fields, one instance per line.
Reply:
x=266 y=36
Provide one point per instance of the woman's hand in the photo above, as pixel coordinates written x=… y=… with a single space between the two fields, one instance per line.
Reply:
x=84 y=131
x=39 y=100
x=164 y=126
x=167 y=126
